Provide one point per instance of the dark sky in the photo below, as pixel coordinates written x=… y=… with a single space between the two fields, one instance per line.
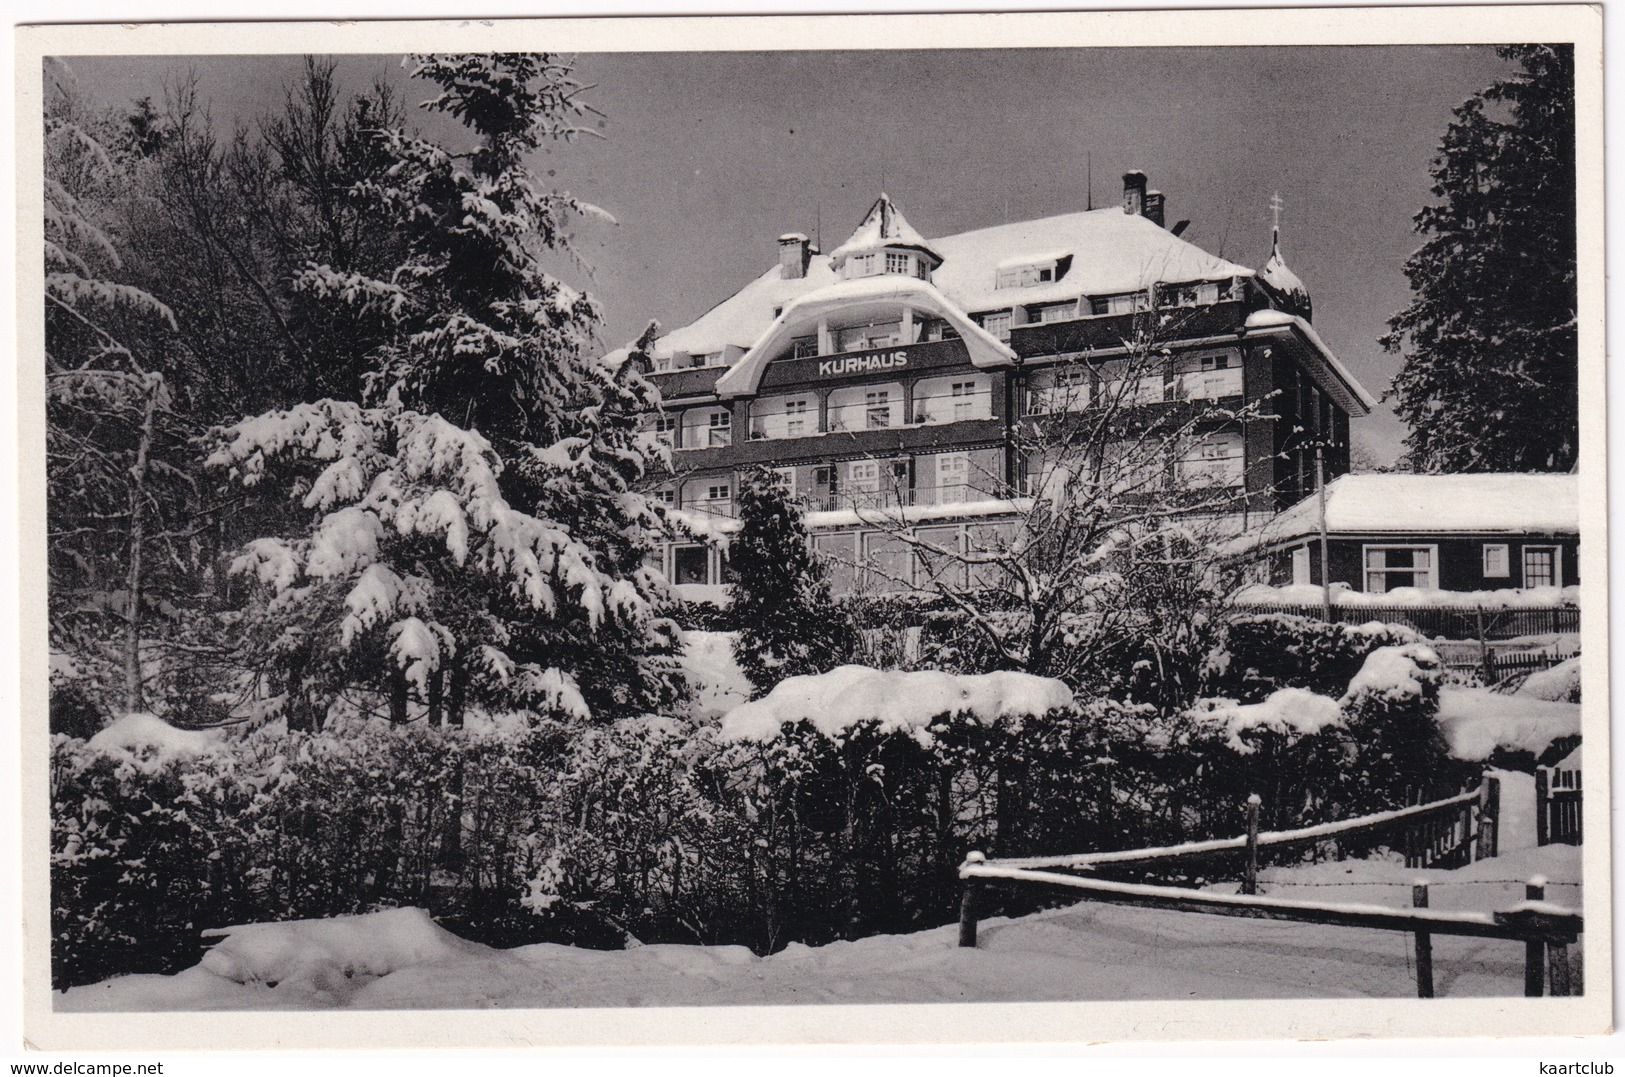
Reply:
x=707 y=157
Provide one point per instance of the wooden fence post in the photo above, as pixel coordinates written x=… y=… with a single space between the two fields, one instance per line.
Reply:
x=1484 y=659
x=1249 y=881
x=1543 y=796
x=1534 y=951
x=1424 y=944
x=968 y=903
x=1489 y=811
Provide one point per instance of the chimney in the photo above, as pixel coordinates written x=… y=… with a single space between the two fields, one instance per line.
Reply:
x=1134 y=193
x=1153 y=208
x=794 y=254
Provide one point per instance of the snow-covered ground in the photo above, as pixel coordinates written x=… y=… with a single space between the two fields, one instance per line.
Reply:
x=401 y=959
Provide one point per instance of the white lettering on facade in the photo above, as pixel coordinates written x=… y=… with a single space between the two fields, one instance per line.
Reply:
x=861 y=364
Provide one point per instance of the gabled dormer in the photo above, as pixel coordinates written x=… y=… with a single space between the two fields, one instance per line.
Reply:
x=885 y=243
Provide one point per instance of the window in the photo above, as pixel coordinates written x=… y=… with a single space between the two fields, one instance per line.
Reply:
x=1026 y=276
x=865 y=476
x=787 y=476
x=921 y=269
x=795 y=418
x=964 y=399
x=1388 y=567
x=1189 y=295
x=998 y=324
x=804 y=348
x=1542 y=567
x=887 y=560
x=897 y=263
x=666 y=495
x=709 y=359
x=719 y=431
x=836 y=552
x=1119 y=304
x=690 y=564
x=940 y=331
x=953 y=475
x=1301 y=572
x=825 y=482
x=1217 y=461
x=860 y=265
x=1497 y=560
x=1056 y=312
x=1216 y=362
x=877 y=408
x=666 y=429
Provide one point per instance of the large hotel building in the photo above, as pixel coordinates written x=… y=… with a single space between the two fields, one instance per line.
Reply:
x=892 y=373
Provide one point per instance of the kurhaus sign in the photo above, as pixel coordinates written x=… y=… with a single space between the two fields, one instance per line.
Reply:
x=863 y=364
x=926 y=355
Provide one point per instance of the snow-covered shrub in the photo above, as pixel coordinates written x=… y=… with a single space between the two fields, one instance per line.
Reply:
x=1261 y=653
x=1391 y=717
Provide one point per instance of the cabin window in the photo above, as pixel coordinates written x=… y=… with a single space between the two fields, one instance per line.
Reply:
x=690 y=564
x=1542 y=567
x=1301 y=575
x=1388 y=567
x=1497 y=560
x=897 y=263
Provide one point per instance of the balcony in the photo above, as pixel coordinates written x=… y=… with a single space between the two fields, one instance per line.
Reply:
x=1108 y=331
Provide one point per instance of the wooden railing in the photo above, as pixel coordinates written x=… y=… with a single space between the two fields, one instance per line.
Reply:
x=1557 y=807
x=1443 y=833
x=1546 y=930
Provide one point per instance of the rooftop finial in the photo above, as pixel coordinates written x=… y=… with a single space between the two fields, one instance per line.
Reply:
x=1276 y=206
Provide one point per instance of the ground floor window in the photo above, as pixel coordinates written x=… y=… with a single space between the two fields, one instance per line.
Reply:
x=1497 y=563
x=1388 y=567
x=690 y=564
x=1542 y=567
x=1301 y=572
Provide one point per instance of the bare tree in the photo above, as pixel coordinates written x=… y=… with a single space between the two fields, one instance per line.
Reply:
x=1129 y=476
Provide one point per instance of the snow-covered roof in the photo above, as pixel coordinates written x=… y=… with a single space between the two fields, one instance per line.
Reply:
x=1432 y=504
x=1272 y=319
x=1112 y=252
x=883 y=226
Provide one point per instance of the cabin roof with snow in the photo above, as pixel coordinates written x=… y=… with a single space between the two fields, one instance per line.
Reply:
x=1495 y=503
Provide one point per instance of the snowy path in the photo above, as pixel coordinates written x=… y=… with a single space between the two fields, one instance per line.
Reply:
x=400 y=959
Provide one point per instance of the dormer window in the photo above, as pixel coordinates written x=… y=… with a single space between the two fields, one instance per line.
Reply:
x=1028 y=274
x=861 y=265
x=898 y=263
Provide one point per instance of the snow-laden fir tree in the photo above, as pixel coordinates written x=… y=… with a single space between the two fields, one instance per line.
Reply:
x=789 y=624
x=1490 y=381
x=472 y=531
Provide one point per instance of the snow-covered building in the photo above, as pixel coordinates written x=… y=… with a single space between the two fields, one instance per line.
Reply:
x=893 y=371
x=1433 y=532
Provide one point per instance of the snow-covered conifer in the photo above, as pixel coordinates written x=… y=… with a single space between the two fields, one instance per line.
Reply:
x=474 y=531
x=1490 y=381
x=789 y=623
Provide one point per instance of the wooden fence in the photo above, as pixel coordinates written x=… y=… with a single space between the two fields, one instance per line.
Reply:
x=1449 y=622
x=1557 y=806
x=1444 y=833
